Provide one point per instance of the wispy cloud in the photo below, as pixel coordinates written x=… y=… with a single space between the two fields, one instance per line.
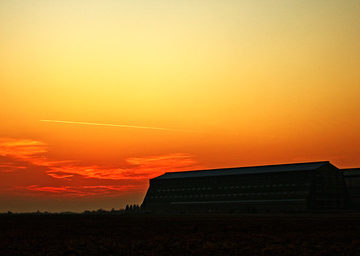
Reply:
x=28 y=150
x=140 y=168
x=80 y=191
x=117 y=125
x=27 y=161
x=13 y=152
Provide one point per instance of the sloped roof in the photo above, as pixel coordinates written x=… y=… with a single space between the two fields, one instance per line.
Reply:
x=244 y=170
x=351 y=172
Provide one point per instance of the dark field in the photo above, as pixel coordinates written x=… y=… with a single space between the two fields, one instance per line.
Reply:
x=215 y=235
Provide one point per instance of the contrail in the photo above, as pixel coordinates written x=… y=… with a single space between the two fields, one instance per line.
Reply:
x=117 y=125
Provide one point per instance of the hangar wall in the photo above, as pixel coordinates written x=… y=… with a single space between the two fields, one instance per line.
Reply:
x=273 y=188
x=352 y=181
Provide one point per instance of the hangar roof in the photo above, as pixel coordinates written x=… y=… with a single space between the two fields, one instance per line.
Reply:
x=244 y=170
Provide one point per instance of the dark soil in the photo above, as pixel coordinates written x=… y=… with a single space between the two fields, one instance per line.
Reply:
x=316 y=234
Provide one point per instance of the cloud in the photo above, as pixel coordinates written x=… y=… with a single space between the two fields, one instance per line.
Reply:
x=10 y=165
x=26 y=168
x=59 y=175
x=80 y=191
x=27 y=150
x=140 y=168
x=116 y=125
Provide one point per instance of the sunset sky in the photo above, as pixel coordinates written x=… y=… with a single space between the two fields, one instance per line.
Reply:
x=98 y=96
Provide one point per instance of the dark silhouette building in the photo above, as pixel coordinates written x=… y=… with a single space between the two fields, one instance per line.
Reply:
x=352 y=181
x=271 y=188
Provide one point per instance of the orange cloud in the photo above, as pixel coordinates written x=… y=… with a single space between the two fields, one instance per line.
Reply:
x=27 y=161
x=48 y=189
x=59 y=175
x=81 y=191
x=141 y=168
x=27 y=150
x=175 y=162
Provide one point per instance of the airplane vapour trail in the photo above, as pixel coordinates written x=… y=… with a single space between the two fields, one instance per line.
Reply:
x=117 y=125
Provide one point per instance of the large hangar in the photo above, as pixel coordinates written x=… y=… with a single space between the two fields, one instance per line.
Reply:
x=286 y=187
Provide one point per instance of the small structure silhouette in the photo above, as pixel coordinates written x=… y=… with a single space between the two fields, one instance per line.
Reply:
x=272 y=188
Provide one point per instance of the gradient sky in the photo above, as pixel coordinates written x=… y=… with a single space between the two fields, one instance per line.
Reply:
x=229 y=83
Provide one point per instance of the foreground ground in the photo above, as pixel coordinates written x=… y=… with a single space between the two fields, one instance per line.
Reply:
x=316 y=234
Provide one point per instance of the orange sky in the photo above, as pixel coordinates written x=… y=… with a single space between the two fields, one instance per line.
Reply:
x=173 y=85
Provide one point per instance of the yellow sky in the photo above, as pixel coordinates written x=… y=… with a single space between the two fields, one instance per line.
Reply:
x=258 y=81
